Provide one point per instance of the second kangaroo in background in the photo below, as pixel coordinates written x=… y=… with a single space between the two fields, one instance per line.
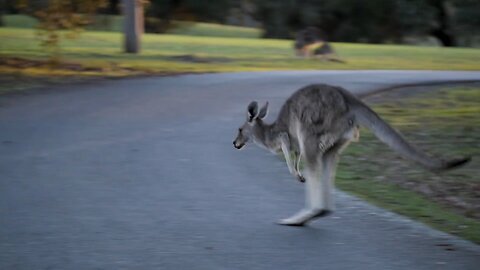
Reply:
x=315 y=124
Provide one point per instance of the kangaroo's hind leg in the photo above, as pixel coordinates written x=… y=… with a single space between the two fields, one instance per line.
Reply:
x=329 y=164
x=320 y=173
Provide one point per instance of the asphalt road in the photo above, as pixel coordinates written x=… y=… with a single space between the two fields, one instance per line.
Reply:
x=142 y=174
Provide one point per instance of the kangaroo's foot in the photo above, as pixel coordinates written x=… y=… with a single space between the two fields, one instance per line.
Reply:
x=304 y=216
x=322 y=213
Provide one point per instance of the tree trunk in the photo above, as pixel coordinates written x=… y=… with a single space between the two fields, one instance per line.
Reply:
x=113 y=7
x=134 y=24
x=3 y=8
x=444 y=30
x=445 y=38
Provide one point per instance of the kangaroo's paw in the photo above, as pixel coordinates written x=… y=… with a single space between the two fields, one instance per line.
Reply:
x=303 y=217
x=301 y=178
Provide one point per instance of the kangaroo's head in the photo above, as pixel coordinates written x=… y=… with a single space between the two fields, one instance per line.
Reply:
x=247 y=130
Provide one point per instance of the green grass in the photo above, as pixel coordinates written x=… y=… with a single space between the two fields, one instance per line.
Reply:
x=104 y=49
x=409 y=203
x=446 y=122
x=214 y=30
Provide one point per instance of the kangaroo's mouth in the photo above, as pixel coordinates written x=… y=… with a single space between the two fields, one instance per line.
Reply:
x=238 y=145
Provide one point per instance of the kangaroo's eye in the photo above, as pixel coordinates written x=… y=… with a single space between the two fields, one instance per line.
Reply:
x=240 y=130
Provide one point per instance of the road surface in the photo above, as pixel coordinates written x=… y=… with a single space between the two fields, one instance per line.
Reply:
x=142 y=174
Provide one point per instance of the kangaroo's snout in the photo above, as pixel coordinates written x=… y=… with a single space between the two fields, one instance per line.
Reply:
x=238 y=145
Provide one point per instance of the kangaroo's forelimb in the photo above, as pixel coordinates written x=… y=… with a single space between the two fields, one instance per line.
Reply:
x=293 y=165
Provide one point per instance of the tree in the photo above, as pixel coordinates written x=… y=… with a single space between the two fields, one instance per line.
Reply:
x=112 y=7
x=467 y=20
x=455 y=18
x=56 y=15
x=443 y=28
x=373 y=21
x=2 y=10
x=346 y=20
x=134 y=23
x=166 y=11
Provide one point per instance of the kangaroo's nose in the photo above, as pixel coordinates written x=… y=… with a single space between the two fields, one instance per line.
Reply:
x=238 y=146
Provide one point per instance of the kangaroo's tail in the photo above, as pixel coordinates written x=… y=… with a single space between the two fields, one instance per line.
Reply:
x=369 y=119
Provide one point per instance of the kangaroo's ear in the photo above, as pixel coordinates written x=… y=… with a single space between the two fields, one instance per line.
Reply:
x=263 y=111
x=252 y=111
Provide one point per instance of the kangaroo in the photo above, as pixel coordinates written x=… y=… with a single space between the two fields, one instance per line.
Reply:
x=326 y=53
x=306 y=41
x=314 y=125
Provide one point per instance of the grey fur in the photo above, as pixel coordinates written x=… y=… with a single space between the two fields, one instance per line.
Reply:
x=315 y=124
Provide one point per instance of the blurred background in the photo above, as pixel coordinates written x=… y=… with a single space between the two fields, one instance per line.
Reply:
x=50 y=39
x=434 y=22
x=90 y=37
x=46 y=40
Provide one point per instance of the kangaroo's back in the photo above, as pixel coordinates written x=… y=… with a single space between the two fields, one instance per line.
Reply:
x=327 y=113
x=316 y=107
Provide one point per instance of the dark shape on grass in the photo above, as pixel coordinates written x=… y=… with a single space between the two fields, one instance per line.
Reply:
x=190 y=58
x=309 y=43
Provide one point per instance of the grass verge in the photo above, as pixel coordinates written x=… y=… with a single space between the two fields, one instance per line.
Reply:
x=445 y=122
x=176 y=53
